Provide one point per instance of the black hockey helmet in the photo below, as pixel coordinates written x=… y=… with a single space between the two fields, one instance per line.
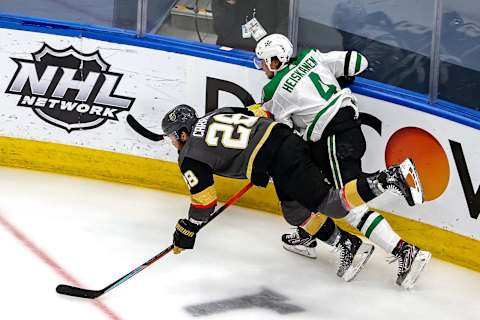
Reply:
x=181 y=118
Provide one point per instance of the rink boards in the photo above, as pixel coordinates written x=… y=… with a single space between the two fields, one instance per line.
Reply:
x=64 y=99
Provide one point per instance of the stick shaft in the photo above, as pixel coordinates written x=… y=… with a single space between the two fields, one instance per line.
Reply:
x=227 y=204
x=92 y=294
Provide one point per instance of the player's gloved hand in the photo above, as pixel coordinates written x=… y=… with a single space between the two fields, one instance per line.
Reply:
x=345 y=81
x=184 y=235
x=258 y=111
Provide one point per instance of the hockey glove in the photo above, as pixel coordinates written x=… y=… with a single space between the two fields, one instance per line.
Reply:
x=345 y=81
x=258 y=111
x=184 y=235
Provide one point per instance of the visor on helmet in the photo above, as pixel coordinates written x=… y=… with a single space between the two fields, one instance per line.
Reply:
x=257 y=63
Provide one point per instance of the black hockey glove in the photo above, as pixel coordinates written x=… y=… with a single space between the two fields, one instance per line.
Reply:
x=184 y=235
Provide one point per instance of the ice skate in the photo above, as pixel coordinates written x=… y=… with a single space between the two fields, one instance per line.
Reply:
x=395 y=180
x=353 y=255
x=300 y=242
x=411 y=262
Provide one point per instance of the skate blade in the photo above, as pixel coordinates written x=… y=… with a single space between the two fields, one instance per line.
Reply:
x=359 y=261
x=301 y=250
x=421 y=260
x=408 y=169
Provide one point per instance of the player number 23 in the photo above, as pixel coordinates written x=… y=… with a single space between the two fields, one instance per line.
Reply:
x=228 y=125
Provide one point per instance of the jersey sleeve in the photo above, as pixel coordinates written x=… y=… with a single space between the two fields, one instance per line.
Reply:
x=344 y=63
x=199 y=179
x=266 y=95
x=278 y=113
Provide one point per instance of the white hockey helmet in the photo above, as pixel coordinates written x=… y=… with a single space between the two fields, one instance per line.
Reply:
x=274 y=45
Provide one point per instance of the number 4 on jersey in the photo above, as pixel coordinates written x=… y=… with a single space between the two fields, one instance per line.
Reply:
x=318 y=83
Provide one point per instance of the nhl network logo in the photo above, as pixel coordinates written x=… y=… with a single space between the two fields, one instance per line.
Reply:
x=68 y=89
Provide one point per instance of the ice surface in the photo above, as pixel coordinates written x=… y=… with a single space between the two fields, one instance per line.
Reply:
x=97 y=232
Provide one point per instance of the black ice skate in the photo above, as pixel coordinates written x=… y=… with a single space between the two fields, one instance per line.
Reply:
x=411 y=261
x=395 y=180
x=353 y=255
x=300 y=242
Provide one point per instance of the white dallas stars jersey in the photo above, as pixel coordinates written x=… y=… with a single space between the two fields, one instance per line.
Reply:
x=305 y=94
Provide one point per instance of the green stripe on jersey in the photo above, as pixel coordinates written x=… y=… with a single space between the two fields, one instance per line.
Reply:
x=372 y=226
x=358 y=62
x=298 y=59
x=317 y=116
x=271 y=87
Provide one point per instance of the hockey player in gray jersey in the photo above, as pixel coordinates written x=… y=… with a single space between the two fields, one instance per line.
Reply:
x=304 y=94
x=233 y=143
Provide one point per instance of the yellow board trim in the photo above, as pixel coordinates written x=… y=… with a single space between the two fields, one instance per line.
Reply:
x=257 y=148
x=163 y=175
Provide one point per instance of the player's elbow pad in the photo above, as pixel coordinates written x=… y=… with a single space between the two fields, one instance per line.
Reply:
x=355 y=63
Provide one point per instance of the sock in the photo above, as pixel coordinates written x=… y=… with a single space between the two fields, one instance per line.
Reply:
x=326 y=231
x=367 y=188
x=357 y=192
x=333 y=238
x=314 y=223
x=374 y=227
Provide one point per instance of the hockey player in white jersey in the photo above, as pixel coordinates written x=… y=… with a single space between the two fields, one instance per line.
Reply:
x=304 y=93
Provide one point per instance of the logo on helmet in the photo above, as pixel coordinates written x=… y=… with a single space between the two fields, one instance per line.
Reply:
x=172 y=116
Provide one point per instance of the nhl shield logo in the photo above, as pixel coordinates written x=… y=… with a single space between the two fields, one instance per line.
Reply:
x=69 y=89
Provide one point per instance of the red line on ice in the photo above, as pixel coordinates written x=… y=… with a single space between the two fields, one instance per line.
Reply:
x=52 y=264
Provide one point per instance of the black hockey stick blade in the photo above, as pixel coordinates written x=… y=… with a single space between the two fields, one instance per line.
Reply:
x=78 y=292
x=141 y=130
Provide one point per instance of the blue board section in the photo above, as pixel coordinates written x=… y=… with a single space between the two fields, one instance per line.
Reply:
x=374 y=89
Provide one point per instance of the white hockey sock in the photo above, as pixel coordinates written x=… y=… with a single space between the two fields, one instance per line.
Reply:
x=374 y=227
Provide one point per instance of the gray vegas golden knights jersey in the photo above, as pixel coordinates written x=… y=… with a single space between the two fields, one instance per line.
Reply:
x=228 y=142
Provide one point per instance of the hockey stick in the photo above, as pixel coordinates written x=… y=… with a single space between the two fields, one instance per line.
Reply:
x=141 y=130
x=92 y=294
